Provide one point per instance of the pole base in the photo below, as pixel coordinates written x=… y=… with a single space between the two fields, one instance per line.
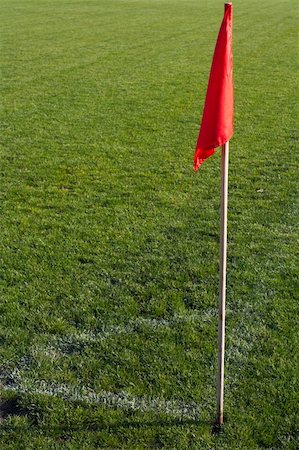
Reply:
x=218 y=426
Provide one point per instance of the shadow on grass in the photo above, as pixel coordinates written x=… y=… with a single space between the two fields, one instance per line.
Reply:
x=10 y=407
x=154 y=423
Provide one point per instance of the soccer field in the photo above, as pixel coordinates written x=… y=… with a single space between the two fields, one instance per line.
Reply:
x=109 y=242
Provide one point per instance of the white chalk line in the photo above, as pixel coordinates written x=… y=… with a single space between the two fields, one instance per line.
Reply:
x=121 y=400
x=133 y=325
x=15 y=380
x=242 y=340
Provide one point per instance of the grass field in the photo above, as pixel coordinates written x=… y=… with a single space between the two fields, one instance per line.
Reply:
x=109 y=240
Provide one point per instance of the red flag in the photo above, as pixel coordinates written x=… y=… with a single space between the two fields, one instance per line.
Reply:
x=217 y=120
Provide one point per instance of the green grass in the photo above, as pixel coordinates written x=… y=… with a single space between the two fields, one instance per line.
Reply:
x=109 y=241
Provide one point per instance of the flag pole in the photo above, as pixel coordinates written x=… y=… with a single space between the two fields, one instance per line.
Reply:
x=217 y=127
x=222 y=282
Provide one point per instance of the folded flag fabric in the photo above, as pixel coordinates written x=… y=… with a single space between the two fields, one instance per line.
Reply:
x=217 y=120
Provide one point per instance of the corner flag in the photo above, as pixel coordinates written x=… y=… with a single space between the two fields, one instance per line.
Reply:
x=217 y=120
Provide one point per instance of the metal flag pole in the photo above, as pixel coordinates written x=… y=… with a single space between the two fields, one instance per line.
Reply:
x=222 y=282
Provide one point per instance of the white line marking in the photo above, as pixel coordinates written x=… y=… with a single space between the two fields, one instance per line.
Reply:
x=131 y=326
x=244 y=333
x=120 y=400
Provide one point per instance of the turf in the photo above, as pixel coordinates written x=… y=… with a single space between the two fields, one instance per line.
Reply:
x=109 y=241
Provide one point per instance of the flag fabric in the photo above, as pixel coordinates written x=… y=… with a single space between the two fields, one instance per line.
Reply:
x=217 y=120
